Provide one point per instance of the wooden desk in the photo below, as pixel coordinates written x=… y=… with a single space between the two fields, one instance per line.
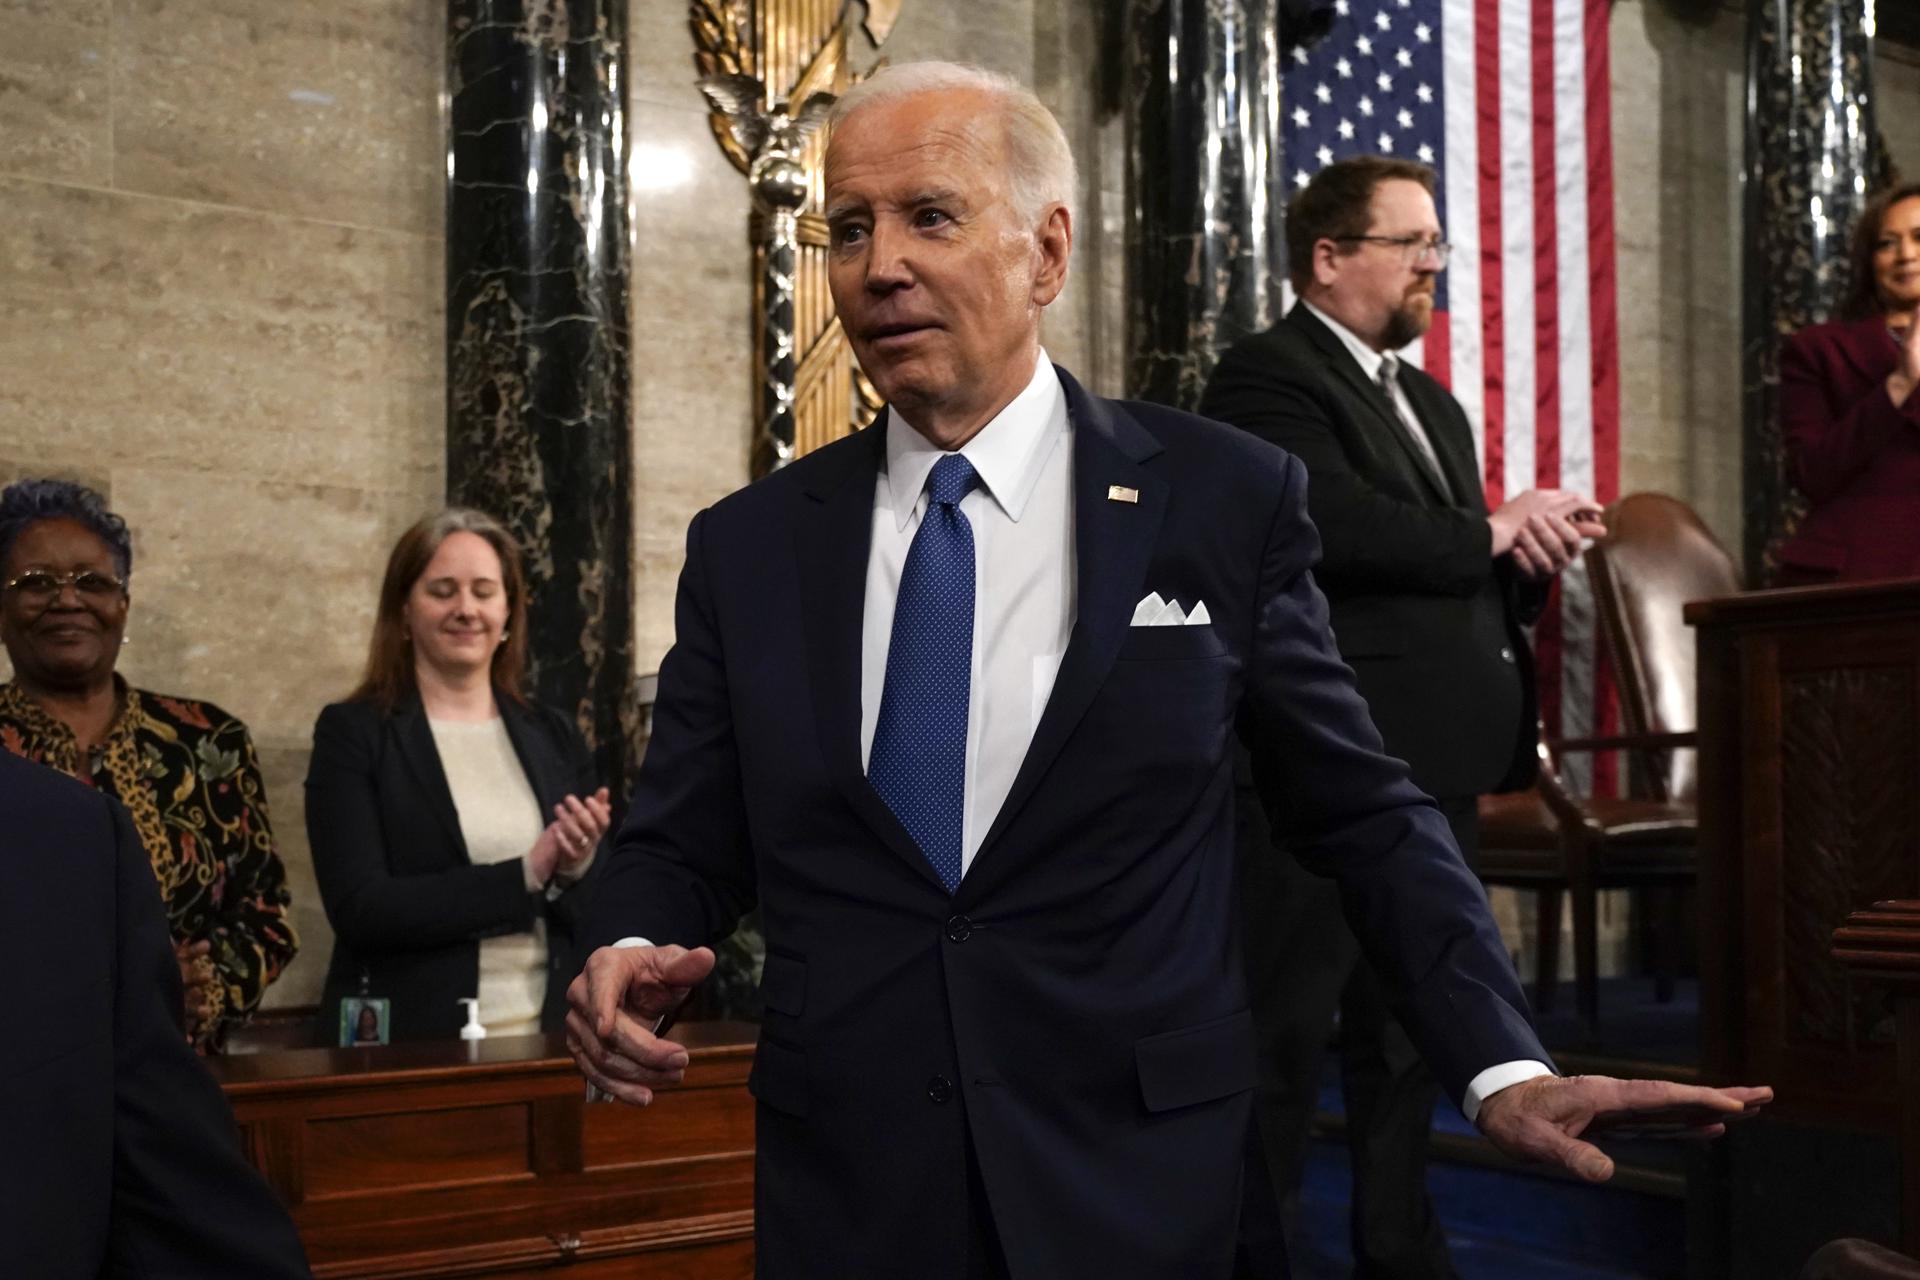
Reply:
x=1882 y=946
x=444 y=1159
x=1809 y=810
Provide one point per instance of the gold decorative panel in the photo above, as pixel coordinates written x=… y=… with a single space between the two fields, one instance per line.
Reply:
x=770 y=69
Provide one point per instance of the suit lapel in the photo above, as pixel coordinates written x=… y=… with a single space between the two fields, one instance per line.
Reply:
x=1374 y=396
x=1452 y=440
x=423 y=758
x=835 y=530
x=1113 y=543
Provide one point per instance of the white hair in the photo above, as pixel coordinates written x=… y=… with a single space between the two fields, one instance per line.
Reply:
x=1040 y=166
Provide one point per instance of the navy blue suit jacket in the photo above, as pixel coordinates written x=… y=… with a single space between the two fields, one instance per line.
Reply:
x=118 y=1155
x=1076 y=1011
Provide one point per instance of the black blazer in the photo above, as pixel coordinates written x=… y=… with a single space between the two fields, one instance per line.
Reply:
x=118 y=1154
x=408 y=908
x=1075 y=1013
x=1431 y=625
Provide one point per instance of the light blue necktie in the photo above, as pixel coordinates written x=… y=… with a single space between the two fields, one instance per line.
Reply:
x=919 y=759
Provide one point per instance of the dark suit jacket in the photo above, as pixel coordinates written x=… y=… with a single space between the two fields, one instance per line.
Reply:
x=1430 y=624
x=1075 y=1011
x=118 y=1155
x=1855 y=456
x=408 y=908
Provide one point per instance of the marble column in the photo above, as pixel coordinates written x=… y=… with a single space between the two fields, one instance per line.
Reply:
x=1813 y=157
x=1205 y=253
x=537 y=333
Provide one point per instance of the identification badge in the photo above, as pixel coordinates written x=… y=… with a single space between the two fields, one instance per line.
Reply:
x=365 y=1020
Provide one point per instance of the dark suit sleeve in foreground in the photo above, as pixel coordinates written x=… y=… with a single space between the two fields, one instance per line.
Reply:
x=1349 y=811
x=371 y=908
x=185 y=1204
x=681 y=869
x=1377 y=541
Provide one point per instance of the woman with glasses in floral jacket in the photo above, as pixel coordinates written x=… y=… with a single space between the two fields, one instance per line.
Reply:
x=185 y=770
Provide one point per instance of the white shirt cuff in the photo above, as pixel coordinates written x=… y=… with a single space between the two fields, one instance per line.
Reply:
x=1494 y=1079
x=632 y=942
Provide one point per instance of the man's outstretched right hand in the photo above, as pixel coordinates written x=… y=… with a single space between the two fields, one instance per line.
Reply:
x=614 y=1006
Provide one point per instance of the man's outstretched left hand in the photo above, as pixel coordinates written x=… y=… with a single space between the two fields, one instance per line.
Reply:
x=1543 y=1119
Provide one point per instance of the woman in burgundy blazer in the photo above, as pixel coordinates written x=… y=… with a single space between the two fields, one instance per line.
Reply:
x=1850 y=412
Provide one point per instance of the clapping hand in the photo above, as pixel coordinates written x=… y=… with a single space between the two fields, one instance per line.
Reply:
x=1542 y=529
x=569 y=840
x=614 y=1006
x=1544 y=1119
x=1906 y=375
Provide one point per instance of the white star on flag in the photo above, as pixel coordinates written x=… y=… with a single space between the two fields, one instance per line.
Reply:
x=1405 y=118
x=1364 y=45
x=1345 y=69
x=1325 y=94
x=1324 y=155
x=1346 y=128
x=1382 y=21
x=1300 y=54
x=1386 y=143
x=1424 y=93
x=1300 y=178
x=1426 y=154
x=1301 y=118
x=1385 y=82
x=1366 y=107
x=1423 y=33
x=1404 y=58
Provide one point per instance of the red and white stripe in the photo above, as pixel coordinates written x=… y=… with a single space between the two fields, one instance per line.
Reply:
x=1531 y=345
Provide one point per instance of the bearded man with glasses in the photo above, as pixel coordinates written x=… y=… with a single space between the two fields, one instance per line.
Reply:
x=1429 y=593
x=185 y=770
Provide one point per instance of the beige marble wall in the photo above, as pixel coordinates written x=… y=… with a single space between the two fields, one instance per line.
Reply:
x=220 y=301
x=692 y=287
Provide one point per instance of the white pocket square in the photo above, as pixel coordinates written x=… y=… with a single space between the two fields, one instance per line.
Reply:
x=1156 y=612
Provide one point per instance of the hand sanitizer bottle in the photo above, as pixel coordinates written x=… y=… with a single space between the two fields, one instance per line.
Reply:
x=473 y=1030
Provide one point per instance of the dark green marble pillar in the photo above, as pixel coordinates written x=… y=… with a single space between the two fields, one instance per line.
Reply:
x=1813 y=157
x=537 y=333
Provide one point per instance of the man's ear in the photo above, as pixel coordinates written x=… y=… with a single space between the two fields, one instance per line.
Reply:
x=1326 y=262
x=1052 y=248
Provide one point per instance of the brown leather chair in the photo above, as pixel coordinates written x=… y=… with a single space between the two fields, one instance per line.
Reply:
x=1656 y=556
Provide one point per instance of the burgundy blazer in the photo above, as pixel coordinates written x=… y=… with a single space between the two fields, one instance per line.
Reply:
x=1855 y=456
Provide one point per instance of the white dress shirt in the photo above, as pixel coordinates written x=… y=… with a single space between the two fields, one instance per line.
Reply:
x=1371 y=362
x=1021 y=513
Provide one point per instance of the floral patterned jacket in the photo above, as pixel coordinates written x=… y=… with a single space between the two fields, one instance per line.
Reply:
x=187 y=773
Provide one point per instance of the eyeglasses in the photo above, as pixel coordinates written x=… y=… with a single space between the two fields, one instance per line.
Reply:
x=44 y=585
x=1412 y=248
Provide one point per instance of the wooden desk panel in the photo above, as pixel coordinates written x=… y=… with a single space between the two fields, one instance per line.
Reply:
x=441 y=1160
x=1809 y=810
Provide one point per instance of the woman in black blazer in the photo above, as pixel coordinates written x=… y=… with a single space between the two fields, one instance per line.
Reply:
x=453 y=822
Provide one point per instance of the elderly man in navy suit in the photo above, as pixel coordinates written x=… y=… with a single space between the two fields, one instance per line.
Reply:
x=953 y=701
x=118 y=1156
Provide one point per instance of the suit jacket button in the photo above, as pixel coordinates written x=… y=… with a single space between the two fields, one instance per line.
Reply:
x=939 y=1089
x=1506 y=653
x=959 y=929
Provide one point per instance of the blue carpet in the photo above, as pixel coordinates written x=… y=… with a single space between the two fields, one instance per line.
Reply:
x=1503 y=1225
x=1632 y=1023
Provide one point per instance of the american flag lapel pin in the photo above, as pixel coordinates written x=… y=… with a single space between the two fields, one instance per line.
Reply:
x=1120 y=493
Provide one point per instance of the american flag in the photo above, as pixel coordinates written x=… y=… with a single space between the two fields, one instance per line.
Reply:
x=1508 y=101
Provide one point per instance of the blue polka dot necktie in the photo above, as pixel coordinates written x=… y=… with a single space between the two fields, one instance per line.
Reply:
x=918 y=763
